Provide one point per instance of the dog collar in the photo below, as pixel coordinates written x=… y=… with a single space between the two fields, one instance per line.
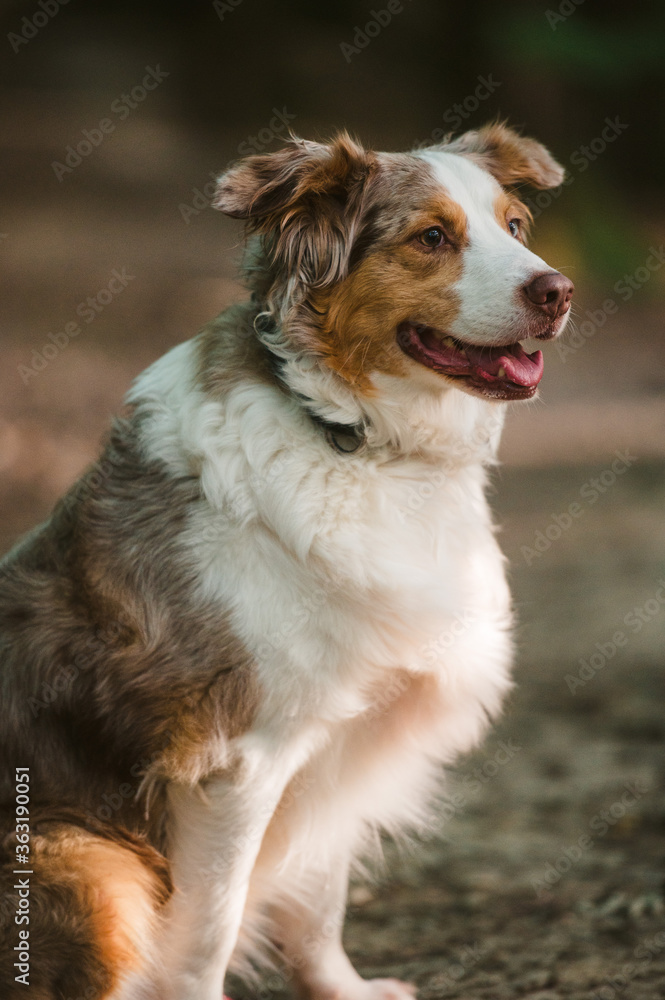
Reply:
x=345 y=439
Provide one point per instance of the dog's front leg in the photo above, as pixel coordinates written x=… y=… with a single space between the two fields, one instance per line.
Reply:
x=215 y=832
x=311 y=940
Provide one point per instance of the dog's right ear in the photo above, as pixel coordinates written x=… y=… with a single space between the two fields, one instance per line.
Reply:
x=307 y=197
x=261 y=186
x=264 y=187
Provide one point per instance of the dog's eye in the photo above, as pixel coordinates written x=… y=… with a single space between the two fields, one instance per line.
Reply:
x=514 y=227
x=432 y=237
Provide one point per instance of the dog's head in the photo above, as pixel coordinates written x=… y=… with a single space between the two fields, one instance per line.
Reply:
x=412 y=266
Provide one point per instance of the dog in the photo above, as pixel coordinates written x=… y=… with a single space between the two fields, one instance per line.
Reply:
x=250 y=637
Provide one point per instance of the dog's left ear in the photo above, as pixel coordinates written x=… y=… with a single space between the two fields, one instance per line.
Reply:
x=510 y=157
x=306 y=198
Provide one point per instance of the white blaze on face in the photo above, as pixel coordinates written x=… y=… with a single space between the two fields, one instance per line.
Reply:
x=495 y=264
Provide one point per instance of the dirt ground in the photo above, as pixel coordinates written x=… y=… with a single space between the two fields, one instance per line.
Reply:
x=548 y=880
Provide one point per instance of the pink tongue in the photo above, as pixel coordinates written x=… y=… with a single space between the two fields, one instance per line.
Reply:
x=520 y=367
x=484 y=362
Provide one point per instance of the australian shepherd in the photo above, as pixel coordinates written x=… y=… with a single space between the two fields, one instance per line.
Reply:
x=253 y=633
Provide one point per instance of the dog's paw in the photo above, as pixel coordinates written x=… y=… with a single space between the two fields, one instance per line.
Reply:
x=389 y=989
x=365 y=989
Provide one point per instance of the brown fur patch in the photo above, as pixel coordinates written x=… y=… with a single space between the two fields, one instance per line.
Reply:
x=92 y=904
x=396 y=280
x=264 y=187
x=113 y=667
x=364 y=317
x=511 y=158
x=230 y=351
x=507 y=207
x=304 y=200
x=117 y=676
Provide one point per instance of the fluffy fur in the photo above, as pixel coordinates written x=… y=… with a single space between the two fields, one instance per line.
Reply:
x=235 y=652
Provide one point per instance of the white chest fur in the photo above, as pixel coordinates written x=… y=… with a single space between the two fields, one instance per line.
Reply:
x=336 y=569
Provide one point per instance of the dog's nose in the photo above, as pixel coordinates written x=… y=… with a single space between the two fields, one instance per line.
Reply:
x=551 y=292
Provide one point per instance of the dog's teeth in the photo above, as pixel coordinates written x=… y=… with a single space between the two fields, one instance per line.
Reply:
x=501 y=372
x=448 y=341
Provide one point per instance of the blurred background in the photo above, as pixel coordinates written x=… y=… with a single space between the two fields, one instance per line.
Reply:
x=115 y=117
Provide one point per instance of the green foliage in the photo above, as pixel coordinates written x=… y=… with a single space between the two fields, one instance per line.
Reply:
x=608 y=54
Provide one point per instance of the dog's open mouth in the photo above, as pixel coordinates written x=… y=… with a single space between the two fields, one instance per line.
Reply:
x=505 y=372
